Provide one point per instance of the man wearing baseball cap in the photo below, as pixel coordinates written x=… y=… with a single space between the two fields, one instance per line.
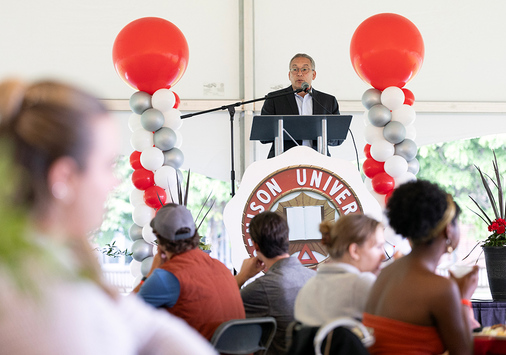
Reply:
x=185 y=280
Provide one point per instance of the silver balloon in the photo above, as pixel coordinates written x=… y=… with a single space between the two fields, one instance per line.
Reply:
x=379 y=115
x=371 y=97
x=165 y=138
x=140 y=101
x=152 y=120
x=146 y=265
x=174 y=158
x=406 y=149
x=414 y=166
x=141 y=250
x=394 y=132
x=135 y=232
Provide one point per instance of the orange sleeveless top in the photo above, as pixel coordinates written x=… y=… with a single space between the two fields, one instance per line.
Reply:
x=396 y=337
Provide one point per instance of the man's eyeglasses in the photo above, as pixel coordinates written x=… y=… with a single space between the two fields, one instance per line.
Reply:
x=302 y=70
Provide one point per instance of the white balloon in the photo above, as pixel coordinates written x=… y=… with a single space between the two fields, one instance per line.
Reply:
x=163 y=100
x=405 y=114
x=368 y=184
x=169 y=197
x=410 y=132
x=396 y=166
x=148 y=235
x=152 y=158
x=378 y=197
x=179 y=140
x=137 y=280
x=164 y=176
x=142 y=215
x=392 y=97
x=136 y=197
x=366 y=118
x=381 y=150
x=173 y=119
x=135 y=268
x=404 y=179
x=141 y=139
x=134 y=122
x=372 y=133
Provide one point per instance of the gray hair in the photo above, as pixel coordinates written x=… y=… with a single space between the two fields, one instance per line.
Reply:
x=303 y=55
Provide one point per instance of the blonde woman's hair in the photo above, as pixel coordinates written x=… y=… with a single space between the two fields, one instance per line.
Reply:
x=42 y=122
x=339 y=235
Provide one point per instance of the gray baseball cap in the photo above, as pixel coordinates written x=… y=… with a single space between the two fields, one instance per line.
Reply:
x=171 y=218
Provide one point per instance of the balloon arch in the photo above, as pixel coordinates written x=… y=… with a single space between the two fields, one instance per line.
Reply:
x=386 y=52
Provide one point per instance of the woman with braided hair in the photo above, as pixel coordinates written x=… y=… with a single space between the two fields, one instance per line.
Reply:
x=411 y=309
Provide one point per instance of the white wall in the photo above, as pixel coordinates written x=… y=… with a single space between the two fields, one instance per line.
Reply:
x=243 y=47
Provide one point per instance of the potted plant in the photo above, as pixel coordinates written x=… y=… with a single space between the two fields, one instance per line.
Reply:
x=494 y=245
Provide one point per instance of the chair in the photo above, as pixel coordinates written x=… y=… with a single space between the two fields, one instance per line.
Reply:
x=244 y=336
x=342 y=335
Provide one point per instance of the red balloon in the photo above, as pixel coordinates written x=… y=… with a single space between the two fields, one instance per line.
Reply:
x=383 y=183
x=155 y=196
x=387 y=50
x=150 y=53
x=135 y=160
x=409 y=97
x=178 y=100
x=367 y=150
x=373 y=167
x=142 y=178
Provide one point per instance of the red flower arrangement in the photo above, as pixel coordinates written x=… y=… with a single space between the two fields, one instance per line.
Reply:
x=498 y=225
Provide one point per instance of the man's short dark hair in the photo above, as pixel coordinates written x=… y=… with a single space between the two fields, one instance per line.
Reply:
x=270 y=231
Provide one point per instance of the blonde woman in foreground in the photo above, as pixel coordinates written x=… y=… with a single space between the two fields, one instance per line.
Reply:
x=57 y=148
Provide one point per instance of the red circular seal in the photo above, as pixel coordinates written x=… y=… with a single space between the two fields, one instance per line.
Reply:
x=306 y=195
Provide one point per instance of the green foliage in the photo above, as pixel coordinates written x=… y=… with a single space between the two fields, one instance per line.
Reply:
x=113 y=251
x=201 y=187
x=118 y=216
x=453 y=166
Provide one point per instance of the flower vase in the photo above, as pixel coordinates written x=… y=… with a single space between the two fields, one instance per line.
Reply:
x=495 y=260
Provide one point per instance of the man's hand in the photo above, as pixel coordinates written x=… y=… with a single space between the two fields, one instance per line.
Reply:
x=250 y=267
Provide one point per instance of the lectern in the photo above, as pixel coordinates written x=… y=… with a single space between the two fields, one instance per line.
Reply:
x=299 y=127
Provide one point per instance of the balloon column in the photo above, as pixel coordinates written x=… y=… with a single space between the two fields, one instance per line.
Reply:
x=151 y=54
x=387 y=51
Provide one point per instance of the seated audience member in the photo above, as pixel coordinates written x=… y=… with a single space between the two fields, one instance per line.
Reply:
x=272 y=294
x=355 y=244
x=411 y=309
x=57 y=148
x=185 y=280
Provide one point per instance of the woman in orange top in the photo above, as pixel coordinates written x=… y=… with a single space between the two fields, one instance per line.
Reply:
x=412 y=309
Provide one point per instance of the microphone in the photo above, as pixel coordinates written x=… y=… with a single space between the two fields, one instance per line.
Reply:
x=305 y=88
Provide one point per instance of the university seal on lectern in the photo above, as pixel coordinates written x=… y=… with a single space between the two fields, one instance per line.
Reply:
x=305 y=193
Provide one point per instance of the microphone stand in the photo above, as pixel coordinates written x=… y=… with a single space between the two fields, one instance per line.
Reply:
x=231 y=111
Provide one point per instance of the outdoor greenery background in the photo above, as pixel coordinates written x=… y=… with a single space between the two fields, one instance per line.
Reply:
x=118 y=215
x=452 y=165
